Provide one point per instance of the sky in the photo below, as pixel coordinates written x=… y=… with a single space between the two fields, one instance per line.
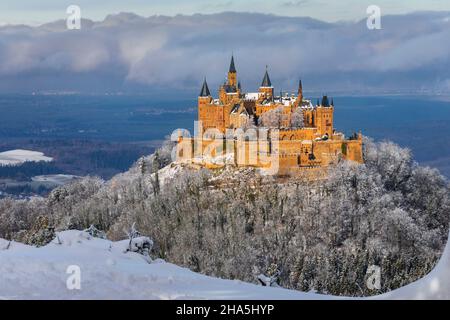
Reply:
x=141 y=52
x=35 y=12
x=126 y=52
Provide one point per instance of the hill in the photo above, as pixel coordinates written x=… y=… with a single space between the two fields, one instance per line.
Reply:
x=236 y=224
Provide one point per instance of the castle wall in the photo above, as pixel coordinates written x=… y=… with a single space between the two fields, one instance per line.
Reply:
x=354 y=150
x=298 y=134
x=286 y=156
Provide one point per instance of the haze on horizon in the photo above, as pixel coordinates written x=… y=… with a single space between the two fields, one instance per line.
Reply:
x=33 y=12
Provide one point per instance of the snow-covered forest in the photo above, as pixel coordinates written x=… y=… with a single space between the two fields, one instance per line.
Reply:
x=236 y=224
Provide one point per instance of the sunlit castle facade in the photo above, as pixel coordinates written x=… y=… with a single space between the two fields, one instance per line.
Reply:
x=292 y=131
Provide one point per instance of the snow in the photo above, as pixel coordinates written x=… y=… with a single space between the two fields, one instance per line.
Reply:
x=252 y=96
x=171 y=171
x=17 y=157
x=107 y=271
x=220 y=160
x=58 y=179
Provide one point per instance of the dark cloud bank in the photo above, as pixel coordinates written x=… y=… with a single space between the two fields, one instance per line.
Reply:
x=130 y=53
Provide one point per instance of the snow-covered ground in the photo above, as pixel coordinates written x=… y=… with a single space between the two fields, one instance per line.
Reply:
x=57 y=179
x=17 y=157
x=107 y=272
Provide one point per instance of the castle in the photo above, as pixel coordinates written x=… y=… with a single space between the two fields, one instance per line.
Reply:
x=287 y=129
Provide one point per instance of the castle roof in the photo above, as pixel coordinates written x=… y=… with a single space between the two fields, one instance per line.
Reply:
x=266 y=81
x=205 y=90
x=232 y=66
x=325 y=102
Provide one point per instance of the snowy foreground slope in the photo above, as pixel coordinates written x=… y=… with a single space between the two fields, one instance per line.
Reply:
x=109 y=273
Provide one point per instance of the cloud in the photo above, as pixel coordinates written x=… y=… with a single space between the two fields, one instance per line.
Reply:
x=129 y=52
x=218 y=5
x=298 y=3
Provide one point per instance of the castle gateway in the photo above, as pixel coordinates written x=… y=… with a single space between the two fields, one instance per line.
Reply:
x=260 y=129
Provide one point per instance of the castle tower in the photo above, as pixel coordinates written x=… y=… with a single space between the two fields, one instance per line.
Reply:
x=232 y=74
x=324 y=117
x=204 y=102
x=266 y=88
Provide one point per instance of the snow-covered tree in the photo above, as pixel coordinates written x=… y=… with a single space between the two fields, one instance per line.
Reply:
x=297 y=120
x=273 y=118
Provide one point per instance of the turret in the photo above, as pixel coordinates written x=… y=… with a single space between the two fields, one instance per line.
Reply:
x=325 y=102
x=204 y=106
x=300 y=93
x=266 y=86
x=266 y=83
x=205 y=90
x=204 y=97
x=232 y=73
x=324 y=117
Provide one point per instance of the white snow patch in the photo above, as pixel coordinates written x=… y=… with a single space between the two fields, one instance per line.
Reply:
x=170 y=172
x=58 y=179
x=252 y=96
x=17 y=157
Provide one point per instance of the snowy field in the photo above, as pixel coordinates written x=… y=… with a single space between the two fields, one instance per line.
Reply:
x=57 y=179
x=107 y=272
x=17 y=157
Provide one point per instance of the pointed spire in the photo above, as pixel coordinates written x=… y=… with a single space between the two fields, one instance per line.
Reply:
x=266 y=81
x=325 y=102
x=205 y=90
x=300 y=91
x=232 y=66
x=332 y=102
x=239 y=85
